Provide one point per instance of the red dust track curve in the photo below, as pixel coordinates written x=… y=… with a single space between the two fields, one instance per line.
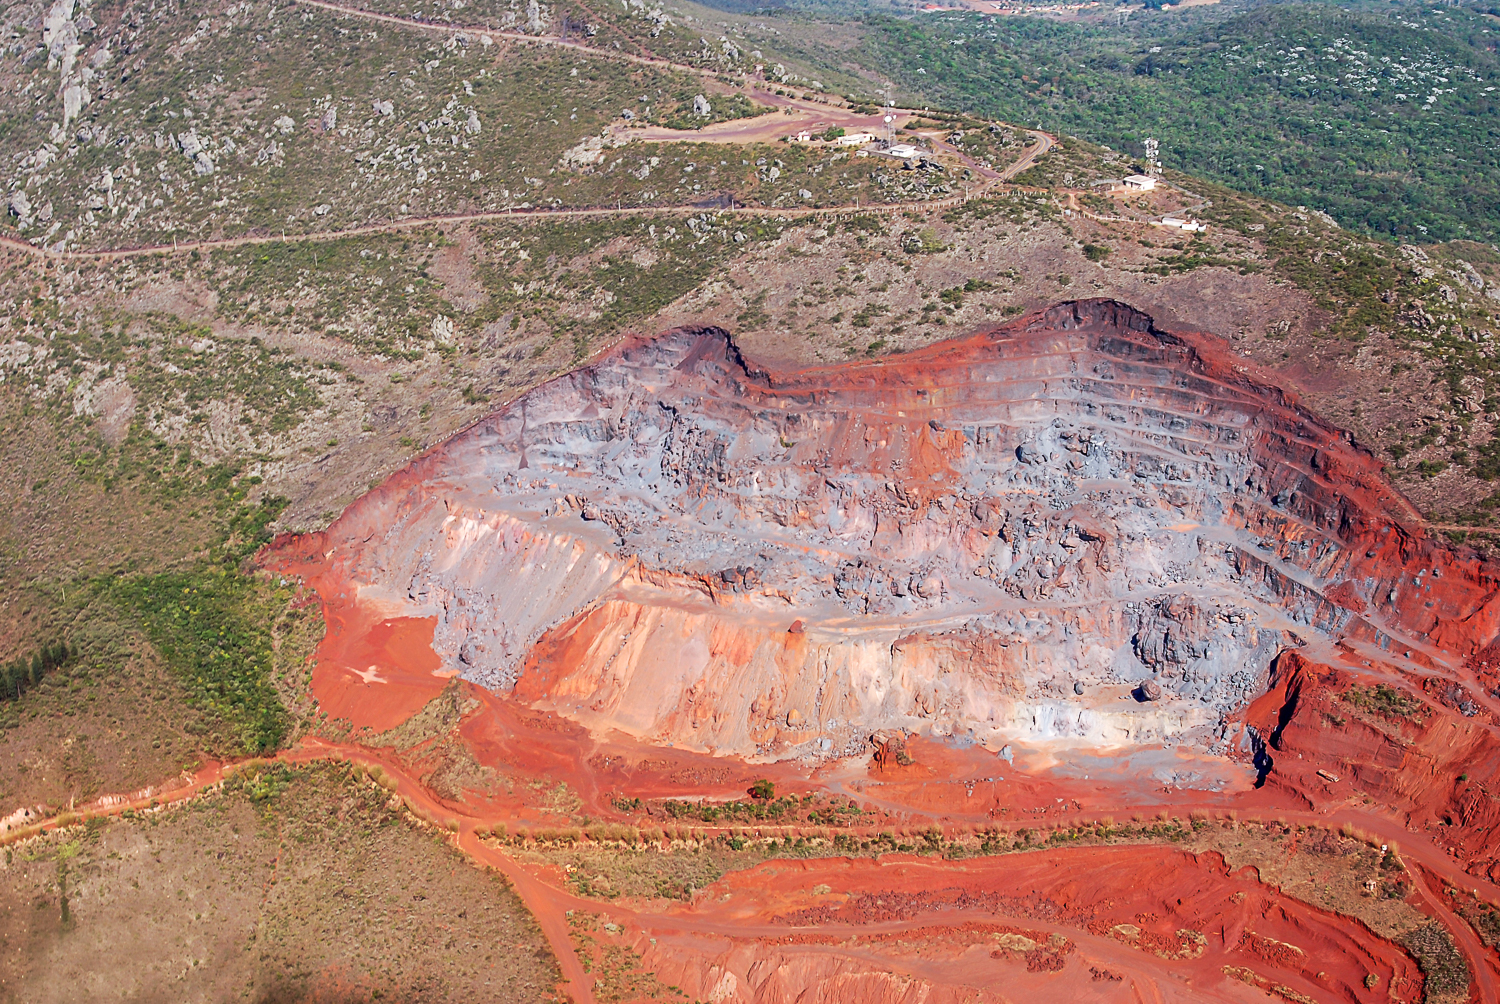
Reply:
x=549 y=902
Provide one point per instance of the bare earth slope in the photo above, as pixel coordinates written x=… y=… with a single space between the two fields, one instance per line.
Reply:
x=1111 y=554
x=1076 y=529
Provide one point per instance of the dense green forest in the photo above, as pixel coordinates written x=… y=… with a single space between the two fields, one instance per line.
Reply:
x=1389 y=121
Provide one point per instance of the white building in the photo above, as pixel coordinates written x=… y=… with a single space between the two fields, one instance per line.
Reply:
x=903 y=150
x=855 y=139
x=1139 y=182
x=1178 y=223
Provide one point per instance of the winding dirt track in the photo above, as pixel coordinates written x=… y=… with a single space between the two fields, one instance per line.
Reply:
x=549 y=900
x=523 y=215
x=741 y=130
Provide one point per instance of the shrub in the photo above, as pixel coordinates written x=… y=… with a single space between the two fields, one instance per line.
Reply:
x=209 y=626
x=20 y=674
x=599 y=832
x=1383 y=699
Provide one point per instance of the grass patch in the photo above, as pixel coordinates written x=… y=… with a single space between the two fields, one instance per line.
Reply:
x=1384 y=700
x=212 y=628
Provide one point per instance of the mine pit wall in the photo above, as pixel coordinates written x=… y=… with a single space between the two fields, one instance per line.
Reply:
x=498 y=587
x=632 y=648
x=1410 y=763
x=716 y=682
x=1388 y=572
x=576 y=616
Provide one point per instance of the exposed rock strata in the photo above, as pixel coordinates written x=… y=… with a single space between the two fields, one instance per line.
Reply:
x=1004 y=535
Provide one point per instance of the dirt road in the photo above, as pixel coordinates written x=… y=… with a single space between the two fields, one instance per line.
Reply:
x=554 y=41
x=549 y=901
x=525 y=215
x=764 y=128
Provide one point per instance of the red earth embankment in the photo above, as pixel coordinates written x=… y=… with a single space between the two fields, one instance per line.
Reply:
x=1077 y=563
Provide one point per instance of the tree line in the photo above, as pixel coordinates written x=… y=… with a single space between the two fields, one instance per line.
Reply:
x=21 y=674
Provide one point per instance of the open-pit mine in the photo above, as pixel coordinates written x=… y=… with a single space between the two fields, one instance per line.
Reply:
x=1047 y=623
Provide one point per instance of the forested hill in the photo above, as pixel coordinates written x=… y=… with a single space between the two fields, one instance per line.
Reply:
x=1390 y=122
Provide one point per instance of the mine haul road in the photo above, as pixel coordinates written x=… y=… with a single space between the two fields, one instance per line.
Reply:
x=550 y=900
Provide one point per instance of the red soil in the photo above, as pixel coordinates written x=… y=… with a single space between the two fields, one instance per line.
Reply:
x=1161 y=919
x=374 y=668
x=1380 y=601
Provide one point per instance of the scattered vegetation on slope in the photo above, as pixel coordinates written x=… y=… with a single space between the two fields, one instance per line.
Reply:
x=286 y=884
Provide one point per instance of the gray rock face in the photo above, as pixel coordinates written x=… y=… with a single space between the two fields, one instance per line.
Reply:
x=1006 y=535
x=701 y=107
x=195 y=149
x=20 y=207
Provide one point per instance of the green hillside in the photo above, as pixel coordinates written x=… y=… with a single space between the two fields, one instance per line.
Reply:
x=1388 y=122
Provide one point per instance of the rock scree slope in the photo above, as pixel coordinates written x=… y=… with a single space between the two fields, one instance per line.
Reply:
x=1073 y=530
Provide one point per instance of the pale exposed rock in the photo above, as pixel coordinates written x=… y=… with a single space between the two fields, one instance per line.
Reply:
x=590 y=151
x=195 y=149
x=75 y=96
x=112 y=401
x=20 y=207
x=59 y=33
x=701 y=106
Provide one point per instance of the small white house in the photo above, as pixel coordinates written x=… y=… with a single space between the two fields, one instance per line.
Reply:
x=855 y=139
x=1139 y=182
x=1178 y=223
x=903 y=150
x=805 y=136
